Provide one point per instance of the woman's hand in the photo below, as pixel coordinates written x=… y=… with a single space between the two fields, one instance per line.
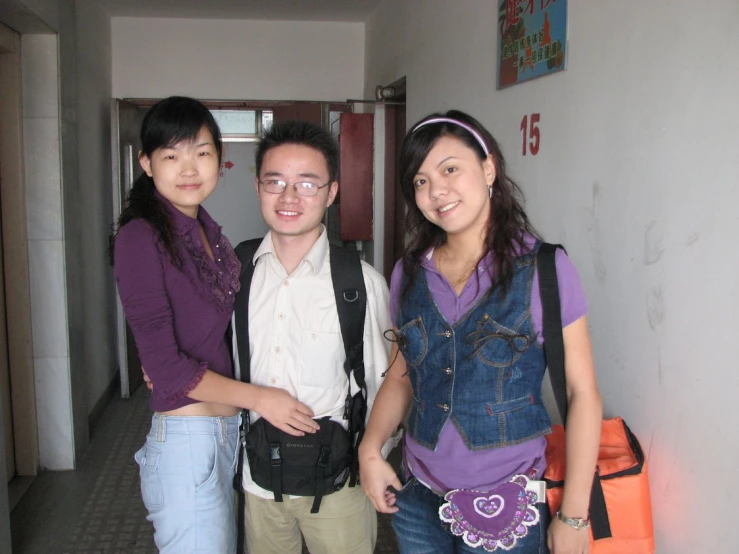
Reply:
x=376 y=475
x=563 y=539
x=285 y=412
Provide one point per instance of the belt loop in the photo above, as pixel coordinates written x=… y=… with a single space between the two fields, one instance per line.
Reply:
x=222 y=421
x=161 y=428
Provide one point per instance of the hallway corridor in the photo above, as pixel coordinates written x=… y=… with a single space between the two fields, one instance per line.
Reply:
x=97 y=509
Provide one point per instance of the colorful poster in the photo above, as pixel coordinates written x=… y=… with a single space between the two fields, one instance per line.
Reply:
x=532 y=37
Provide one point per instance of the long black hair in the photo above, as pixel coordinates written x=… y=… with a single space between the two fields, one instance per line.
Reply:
x=168 y=122
x=508 y=224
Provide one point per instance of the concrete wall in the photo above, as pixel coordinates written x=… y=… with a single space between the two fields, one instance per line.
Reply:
x=242 y=60
x=93 y=196
x=67 y=79
x=636 y=175
x=46 y=249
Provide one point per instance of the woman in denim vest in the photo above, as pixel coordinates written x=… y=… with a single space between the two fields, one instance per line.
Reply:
x=469 y=362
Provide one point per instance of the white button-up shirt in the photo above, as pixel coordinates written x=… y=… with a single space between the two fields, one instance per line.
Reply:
x=295 y=336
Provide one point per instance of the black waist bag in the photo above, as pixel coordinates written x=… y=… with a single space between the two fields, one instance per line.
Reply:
x=315 y=464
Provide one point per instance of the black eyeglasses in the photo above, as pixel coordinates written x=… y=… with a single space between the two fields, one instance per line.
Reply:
x=302 y=188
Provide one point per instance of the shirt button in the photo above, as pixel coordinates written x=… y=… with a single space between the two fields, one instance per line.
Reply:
x=285 y=283
x=281 y=316
x=219 y=259
x=277 y=349
x=229 y=292
x=444 y=407
x=273 y=380
x=217 y=246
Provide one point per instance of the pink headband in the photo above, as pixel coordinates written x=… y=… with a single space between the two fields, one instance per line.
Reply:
x=459 y=124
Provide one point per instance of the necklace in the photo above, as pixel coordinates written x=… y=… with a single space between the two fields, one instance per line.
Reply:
x=463 y=278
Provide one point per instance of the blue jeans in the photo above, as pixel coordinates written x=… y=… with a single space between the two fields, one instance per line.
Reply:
x=420 y=531
x=186 y=468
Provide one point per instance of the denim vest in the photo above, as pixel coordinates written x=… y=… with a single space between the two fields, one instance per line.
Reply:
x=485 y=371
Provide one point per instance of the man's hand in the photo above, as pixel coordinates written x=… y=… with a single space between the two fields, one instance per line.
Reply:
x=149 y=384
x=285 y=412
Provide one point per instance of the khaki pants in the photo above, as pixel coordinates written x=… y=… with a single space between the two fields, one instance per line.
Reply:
x=345 y=524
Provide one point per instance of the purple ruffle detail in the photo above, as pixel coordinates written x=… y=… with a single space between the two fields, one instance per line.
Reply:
x=187 y=389
x=219 y=286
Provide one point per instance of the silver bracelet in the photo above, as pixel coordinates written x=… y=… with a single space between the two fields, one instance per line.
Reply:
x=574 y=522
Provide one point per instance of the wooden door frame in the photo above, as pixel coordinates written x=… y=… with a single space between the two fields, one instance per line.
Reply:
x=15 y=246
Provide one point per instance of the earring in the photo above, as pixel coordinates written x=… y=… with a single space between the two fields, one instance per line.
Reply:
x=490 y=190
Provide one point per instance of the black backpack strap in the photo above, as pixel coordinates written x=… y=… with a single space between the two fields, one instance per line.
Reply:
x=325 y=436
x=554 y=351
x=245 y=252
x=554 y=347
x=351 y=304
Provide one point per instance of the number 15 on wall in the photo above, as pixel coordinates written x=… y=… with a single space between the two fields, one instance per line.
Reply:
x=531 y=135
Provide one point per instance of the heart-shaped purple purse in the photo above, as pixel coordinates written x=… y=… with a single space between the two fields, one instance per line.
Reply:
x=493 y=519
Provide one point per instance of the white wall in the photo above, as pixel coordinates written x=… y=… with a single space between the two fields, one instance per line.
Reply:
x=637 y=176
x=234 y=203
x=46 y=250
x=242 y=60
x=85 y=90
x=67 y=86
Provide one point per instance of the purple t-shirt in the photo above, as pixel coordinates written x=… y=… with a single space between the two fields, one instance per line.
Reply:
x=178 y=317
x=439 y=469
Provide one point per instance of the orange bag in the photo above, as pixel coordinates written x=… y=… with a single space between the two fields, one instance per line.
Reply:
x=621 y=512
x=620 y=505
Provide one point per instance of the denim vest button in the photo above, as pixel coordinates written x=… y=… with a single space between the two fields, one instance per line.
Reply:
x=447 y=370
x=448 y=334
x=444 y=407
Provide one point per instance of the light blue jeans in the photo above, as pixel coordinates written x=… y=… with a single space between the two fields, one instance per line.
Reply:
x=186 y=468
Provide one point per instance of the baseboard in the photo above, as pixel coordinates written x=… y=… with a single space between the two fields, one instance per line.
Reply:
x=97 y=411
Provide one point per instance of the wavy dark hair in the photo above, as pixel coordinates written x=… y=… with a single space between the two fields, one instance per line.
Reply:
x=507 y=225
x=168 y=122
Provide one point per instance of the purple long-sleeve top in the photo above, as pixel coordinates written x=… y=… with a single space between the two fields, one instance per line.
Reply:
x=178 y=316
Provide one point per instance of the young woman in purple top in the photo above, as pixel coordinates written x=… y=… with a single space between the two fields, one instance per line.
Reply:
x=469 y=363
x=177 y=276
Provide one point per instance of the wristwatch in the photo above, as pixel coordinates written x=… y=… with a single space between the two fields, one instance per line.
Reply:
x=574 y=522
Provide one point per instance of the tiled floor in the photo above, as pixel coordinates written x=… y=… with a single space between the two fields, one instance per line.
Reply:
x=97 y=509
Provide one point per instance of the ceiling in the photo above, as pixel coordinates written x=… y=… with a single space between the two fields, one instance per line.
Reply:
x=288 y=10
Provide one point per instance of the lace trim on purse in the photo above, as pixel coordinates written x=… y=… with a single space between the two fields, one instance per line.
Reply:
x=493 y=519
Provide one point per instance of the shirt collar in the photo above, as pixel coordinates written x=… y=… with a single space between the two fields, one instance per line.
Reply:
x=315 y=257
x=427 y=261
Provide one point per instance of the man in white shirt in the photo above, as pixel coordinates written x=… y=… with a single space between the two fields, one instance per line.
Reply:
x=295 y=338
